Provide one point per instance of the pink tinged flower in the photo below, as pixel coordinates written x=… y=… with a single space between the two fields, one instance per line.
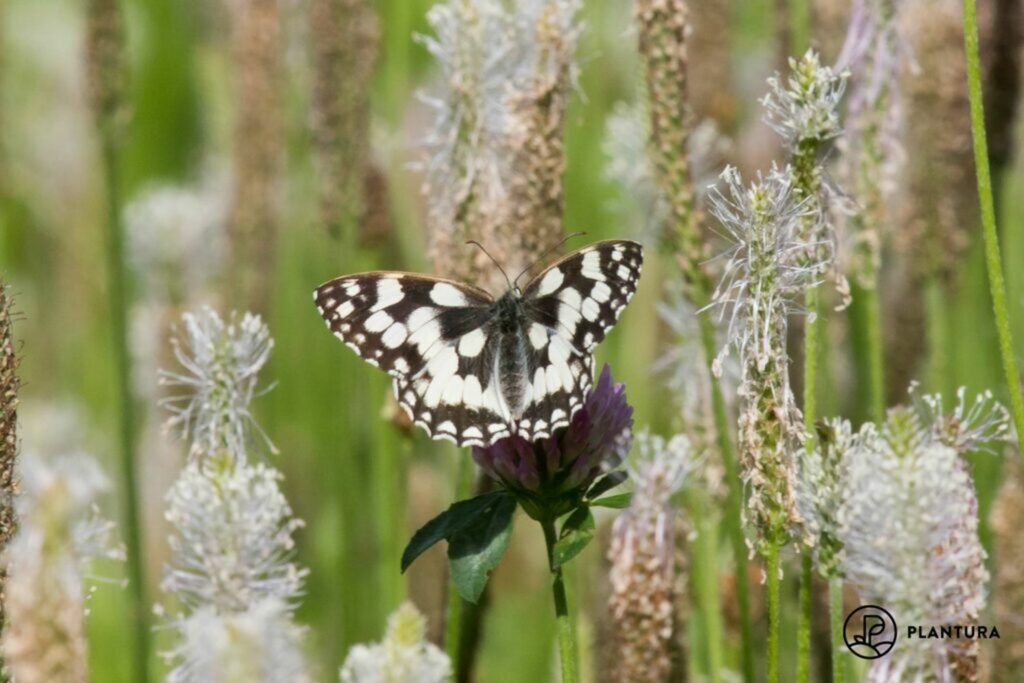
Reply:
x=595 y=442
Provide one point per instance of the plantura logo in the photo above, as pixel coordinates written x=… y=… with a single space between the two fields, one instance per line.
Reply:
x=870 y=632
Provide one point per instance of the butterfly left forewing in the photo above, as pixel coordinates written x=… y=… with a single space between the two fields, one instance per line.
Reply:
x=396 y=320
x=432 y=335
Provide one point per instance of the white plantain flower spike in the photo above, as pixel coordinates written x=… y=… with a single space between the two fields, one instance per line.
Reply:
x=232 y=543
x=907 y=521
x=404 y=656
x=259 y=645
x=221 y=363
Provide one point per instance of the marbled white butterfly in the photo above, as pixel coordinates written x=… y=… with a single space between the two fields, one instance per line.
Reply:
x=472 y=369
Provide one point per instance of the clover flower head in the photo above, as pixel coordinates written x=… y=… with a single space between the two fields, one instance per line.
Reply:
x=220 y=366
x=262 y=643
x=596 y=441
x=232 y=544
x=404 y=655
x=806 y=106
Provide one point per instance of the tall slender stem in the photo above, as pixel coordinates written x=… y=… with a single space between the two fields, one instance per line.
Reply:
x=734 y=499
x=771 y=561
x=564 y=620
x=706 y=582
x=803 y=666
x=456 y=606
x=118 y=301
x=803 y=643
x=835 y=612
x=871 y=323
x=997 y=285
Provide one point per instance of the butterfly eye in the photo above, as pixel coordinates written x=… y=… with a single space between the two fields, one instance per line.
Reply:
x=518 y=292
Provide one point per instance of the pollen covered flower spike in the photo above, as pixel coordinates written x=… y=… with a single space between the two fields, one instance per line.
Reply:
x=596 y=441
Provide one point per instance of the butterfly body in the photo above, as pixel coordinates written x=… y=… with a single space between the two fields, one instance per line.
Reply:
x=474 y=369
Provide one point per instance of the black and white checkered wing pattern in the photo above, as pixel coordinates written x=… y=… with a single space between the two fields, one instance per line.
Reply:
x=571 y=306
x=431 y=336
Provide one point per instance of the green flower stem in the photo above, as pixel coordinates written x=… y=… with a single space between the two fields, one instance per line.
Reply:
x=870 y=321
x=771 y=561
x=705 y=579
x=734 y=499
x=997 y=285
x=564 y=618
x=456 y=606
x=803 y=644
x=118 y=301
x=835 y=611
x=811 y=330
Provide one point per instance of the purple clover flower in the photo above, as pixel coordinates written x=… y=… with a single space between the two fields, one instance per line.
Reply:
x=565 y=464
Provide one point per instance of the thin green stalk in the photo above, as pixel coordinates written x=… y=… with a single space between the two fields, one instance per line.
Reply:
x=872 y=320
x=771 y=561
x=835 y=614
x=564 y=619
x=118 y=301
x=811 y=335
x=997 y=285
x=734 y=496
x=803 y=643
x=455 y=610
x=811 y=330
x=706 y=583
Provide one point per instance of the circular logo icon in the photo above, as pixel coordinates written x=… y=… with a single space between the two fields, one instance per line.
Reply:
x=869 y=632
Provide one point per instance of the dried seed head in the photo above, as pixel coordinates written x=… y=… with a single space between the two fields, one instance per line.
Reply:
x=259 y=148
x=344 y=39
x=106 y=70
x=44 y=639
x=643 y=574
x=494 y=156
x=941 y=206
x=9 y=385
x=872 y=154
x=1009 y=579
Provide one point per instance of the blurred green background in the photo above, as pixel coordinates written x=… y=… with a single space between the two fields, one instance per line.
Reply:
x=360 y=484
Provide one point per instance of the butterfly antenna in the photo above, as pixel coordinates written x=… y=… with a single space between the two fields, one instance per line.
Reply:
x=545 y=253
x=493 y=260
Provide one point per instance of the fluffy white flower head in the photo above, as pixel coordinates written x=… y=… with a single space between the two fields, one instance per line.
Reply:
x=404 y=656
x=220 y=366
